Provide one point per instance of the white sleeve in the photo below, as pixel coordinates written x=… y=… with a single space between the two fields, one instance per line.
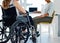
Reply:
x=51 y=9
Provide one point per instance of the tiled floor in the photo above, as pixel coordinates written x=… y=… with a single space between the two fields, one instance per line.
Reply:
x=44 y=37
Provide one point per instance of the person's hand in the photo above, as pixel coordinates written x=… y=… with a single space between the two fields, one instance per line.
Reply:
x=37 y=11
x=43 y=15
x=39 y=16
x=24 y=14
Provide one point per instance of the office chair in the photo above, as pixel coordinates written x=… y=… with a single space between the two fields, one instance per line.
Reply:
x=48 y=22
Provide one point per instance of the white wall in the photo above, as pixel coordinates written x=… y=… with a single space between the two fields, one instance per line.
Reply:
x=57 y=6
x=57 y=11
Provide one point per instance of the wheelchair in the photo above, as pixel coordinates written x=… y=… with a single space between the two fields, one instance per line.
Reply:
x=7 y=20
x=18 y=27
x=12 y=29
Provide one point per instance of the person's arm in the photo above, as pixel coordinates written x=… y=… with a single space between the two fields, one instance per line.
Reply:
x=51 y=10
x=45 y=15
x=19 y=7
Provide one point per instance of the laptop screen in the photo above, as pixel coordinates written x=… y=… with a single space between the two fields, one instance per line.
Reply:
x=31 y=9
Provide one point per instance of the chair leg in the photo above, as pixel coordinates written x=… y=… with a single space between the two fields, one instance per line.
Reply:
x=40 y=29
x=49 y=30
x=40 y=33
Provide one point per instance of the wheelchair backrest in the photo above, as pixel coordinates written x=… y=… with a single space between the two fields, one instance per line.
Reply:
x=9 y=16
x=10 y=12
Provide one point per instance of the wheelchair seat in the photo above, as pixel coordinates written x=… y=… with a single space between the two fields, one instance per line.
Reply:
x=9 y=16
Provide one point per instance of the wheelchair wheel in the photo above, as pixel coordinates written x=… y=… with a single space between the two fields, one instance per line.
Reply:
x=18 y=34
x=4 y=34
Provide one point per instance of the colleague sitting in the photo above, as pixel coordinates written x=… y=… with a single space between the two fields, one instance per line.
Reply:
x=46 y=12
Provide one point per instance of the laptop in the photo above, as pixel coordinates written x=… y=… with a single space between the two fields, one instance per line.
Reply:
x=32 y=9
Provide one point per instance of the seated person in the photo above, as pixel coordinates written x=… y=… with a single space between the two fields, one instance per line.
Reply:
x=46 y=12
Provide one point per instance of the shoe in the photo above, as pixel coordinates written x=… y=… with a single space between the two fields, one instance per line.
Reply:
x=37 y=33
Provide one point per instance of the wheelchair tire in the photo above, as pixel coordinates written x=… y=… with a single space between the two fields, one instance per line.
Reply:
x=16 y=35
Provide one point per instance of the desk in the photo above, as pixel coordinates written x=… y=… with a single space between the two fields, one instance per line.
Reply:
x=34 y=14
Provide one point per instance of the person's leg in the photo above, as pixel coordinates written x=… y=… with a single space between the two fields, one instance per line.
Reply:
x=36 y=21
x=36 y=33
x=31 y=20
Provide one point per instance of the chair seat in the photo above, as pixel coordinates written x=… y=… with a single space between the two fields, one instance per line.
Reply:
x=46 y=22
x=49 y=19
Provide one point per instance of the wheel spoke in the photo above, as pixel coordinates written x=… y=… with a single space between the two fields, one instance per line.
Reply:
x=5 y=35
x=4 y=28
x=0 y=40
x=2 y=36
x=19 y=40
x=0 y=28
x=0 y=33
x=6 y=32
